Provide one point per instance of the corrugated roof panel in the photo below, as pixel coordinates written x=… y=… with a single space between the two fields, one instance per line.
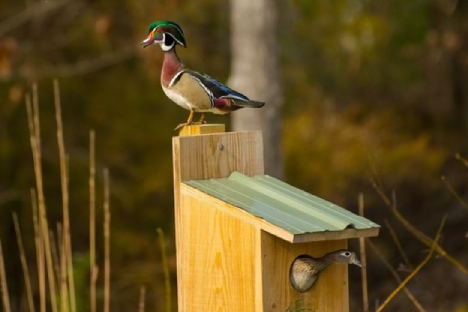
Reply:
x=281 y=204
x=255 y=206
x=250 y=197
x=335 y=213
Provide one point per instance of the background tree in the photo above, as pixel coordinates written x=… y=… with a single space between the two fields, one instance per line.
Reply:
x=255 y=71
x=372 y=91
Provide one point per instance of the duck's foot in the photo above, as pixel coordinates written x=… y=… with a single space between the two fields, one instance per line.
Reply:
x=188 y=123
x=202 y=119
x=181 y=125
x=200 y=122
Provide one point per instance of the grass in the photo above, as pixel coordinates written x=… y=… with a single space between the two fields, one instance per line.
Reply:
x=3 y=283
x=54 y=253
x=24 y=264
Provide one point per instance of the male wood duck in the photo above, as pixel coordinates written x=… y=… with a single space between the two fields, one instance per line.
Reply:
x=305 y=269
x=193 y=91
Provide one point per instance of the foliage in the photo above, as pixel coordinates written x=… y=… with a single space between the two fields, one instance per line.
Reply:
x=372 y=90
x=354 y=149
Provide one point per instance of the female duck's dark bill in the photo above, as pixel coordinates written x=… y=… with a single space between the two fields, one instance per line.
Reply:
x=357 y=262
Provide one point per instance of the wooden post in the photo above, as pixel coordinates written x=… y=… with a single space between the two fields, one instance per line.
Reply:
x=227 y=259
x=206 y=238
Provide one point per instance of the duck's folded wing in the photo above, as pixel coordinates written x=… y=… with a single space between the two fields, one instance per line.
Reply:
x=217 y=89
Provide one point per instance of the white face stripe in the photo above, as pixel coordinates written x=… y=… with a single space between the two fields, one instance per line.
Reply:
x=176 y=39
x=176 y=76
x=163 y=45
x=178 y=29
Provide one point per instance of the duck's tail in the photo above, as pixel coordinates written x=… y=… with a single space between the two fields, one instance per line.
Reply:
x=250 y=103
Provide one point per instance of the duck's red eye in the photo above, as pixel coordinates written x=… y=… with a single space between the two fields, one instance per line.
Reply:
x=159 y=30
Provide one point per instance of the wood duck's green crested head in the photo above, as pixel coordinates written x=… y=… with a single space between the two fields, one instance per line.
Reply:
x=166 y=33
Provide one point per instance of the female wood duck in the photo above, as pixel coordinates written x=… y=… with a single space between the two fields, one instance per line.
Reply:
x=305 y=270
x=194 y=91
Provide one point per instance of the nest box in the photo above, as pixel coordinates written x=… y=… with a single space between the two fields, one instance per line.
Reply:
x=238 y=230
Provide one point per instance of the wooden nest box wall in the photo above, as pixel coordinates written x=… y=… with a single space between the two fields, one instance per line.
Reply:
x=238 y=230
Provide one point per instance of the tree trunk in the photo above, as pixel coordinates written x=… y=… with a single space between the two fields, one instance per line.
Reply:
x=255 y=73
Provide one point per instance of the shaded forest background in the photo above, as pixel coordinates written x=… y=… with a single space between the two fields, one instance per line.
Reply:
x=373 y=90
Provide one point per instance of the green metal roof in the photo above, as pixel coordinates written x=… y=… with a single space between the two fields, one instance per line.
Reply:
x=281 y=204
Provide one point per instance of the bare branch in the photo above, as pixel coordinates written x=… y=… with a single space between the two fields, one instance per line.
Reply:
x=398 y=244
x=416 y=233
x=462 y=159
x=452 y=191
x=37 y=9
x=419 y=267
x=89 y=66
x=408 y=293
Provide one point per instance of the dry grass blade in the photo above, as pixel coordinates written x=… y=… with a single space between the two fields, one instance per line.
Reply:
x=92 y=222
x=418 y=234
x=39 y=253
x=63 y=278
x=141 y=303
x=167 y=279
x=396 y=276
x=59 y=235
x=427 y=241
x=55 y=254
x=67 y=247
x=462 y=159
x=107 y=217
x=37 y=125
x=34 y=128
x=398 y=244
x=69 y=266
x=415 y=271
x=3 y=283
x=24 y=264
x=452 y=191
x=362 y=249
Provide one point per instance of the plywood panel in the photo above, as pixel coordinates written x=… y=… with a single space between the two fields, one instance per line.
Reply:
x=215 y=259
x=330 y=292
x=215 y=263
x=240 y=214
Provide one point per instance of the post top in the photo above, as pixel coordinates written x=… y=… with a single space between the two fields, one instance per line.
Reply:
x=202 y=129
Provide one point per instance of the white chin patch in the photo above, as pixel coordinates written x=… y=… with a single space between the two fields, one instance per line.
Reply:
x=165 y=47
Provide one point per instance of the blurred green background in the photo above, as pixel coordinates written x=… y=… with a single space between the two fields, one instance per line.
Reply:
x=373 y=90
